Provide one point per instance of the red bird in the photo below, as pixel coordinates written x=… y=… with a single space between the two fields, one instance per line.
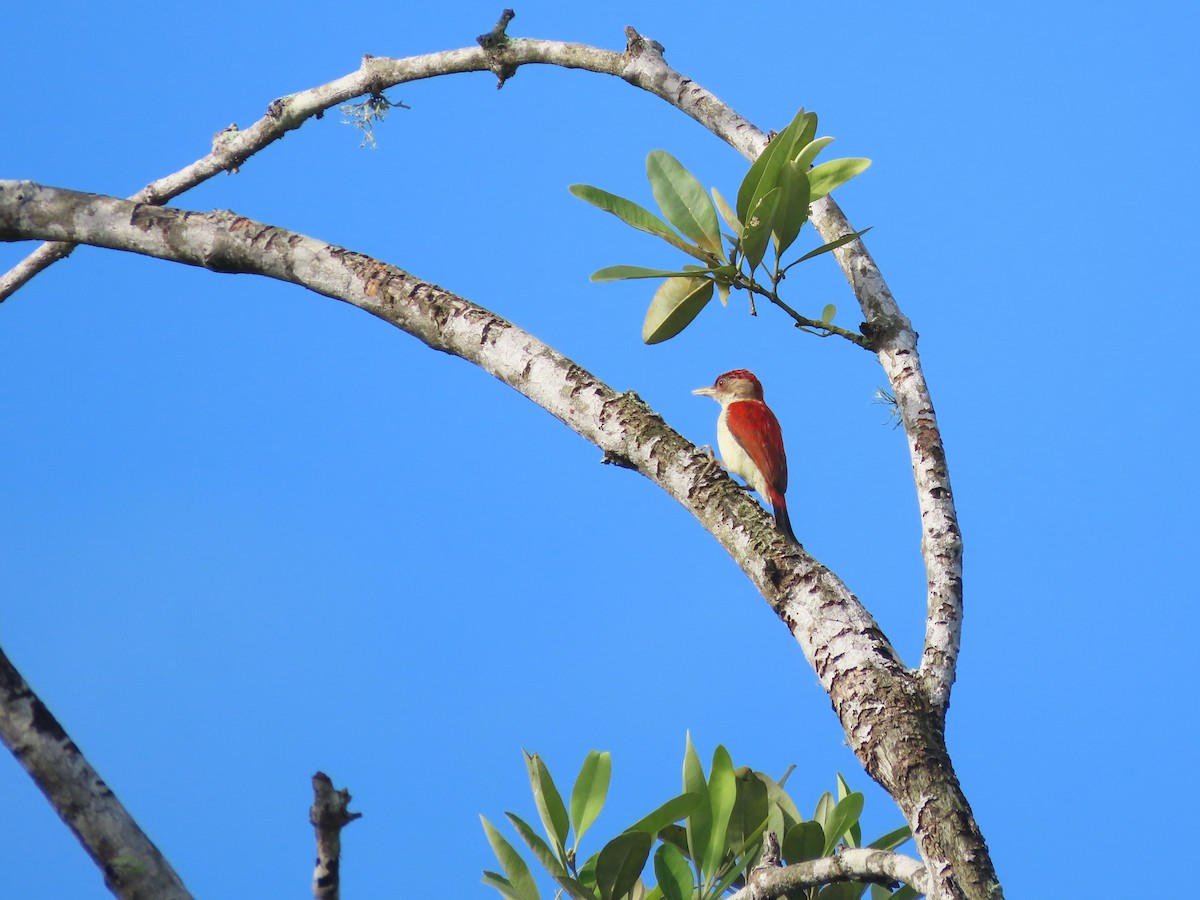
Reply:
x=750 y=440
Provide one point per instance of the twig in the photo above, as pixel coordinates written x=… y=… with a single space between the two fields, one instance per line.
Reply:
x=641 y=65
x=329 y=816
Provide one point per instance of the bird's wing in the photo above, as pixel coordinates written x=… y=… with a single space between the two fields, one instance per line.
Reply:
x=748 y=418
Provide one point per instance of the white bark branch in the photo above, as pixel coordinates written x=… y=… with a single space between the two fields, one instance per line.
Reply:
x=883 y=709
x=895 y=342
x=642 y=66
x=863 y=865
x=133 y=867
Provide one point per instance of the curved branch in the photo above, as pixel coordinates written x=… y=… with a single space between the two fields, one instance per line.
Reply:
x=875 y=866
x=883 y=710
x=895 y=342
x=641 y=65
x=133 y=867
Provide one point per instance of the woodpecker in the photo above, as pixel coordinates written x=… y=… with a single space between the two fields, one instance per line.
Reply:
x=750 y=440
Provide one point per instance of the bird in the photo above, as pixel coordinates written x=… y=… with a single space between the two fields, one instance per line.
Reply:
x=751 y=441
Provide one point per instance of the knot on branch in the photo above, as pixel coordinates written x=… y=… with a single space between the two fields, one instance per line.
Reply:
x=497 y=37
x=770 y=858
x=637 y=45
x=616 y=459
x=881 y=331
x=329 y=811
x=223 y=142
x=494 y=43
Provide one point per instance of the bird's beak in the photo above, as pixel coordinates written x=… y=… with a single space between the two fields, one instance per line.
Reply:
x=705 y=392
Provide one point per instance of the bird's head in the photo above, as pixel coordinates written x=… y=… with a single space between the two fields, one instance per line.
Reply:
x=739 y=384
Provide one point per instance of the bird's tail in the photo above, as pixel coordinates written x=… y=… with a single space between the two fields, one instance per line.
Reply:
x=782 y=521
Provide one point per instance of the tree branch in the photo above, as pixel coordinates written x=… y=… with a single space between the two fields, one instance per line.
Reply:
x=642 y=66
x=886 y=714
x=892 y=335
x=876 y=866
x=133 y=867
x=329 y=815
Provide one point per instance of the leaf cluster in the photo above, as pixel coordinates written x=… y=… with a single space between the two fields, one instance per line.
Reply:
x=770 y=209
x=708 y=837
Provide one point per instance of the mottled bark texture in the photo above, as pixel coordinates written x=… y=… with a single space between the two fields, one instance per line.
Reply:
x=329 y=814
x=874 y=866
x=894 y=717
x=887 y=714
x=132 y=866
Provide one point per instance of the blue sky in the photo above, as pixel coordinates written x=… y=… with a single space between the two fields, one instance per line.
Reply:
x=250 y=533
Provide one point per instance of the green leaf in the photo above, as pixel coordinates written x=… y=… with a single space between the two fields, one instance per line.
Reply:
x=699 y=823
x=832 y=245
x=621 y=862
x=824 y=808
x=853 y=835
x=676 y=836
x=829 y=175
x=514 y=867
x=804 y=841
x=676 y=302
x=635 y=216
x=590 y=791
x=730 y=877
x=907 y=892
x=549 y=803
x=792 y=212
x=844 y=816
x=892 y=839
x=808 y=153
x=763 y=176
x=622 y=273
x=540 y=848
x=683 y=200
x=828 y=313
x=626 y=210
x=749 y=816
x=779 y=797
x=805 y=133
x=576 y=888
x=673 y=873
x=782 y=812
x=500 y=883
x=722 y=794
x=723 y=292
x=670 y=812
x=758 y=228
x=727 y=213
x=587 y=873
